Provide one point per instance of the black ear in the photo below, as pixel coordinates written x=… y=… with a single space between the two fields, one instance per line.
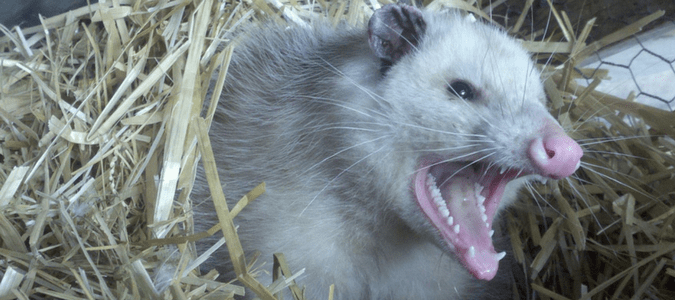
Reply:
x=394 y=30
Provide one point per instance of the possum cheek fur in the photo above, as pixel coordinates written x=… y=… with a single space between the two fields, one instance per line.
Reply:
x=476 y=121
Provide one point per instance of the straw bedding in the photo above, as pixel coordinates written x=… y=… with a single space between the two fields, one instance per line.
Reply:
x=102 y=127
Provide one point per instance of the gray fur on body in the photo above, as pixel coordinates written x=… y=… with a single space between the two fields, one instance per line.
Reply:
x=309 y=112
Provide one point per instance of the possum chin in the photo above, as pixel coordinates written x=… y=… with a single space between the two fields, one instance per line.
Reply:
x=460 y=201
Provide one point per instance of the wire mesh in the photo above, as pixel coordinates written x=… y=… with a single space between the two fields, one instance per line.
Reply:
x=643 y=65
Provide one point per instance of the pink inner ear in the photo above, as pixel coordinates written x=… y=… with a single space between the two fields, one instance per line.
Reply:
x=555 y=154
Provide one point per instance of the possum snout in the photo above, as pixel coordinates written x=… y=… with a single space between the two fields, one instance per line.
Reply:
x=554 y=153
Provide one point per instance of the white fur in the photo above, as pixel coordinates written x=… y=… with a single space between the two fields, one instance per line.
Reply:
x=308 y=112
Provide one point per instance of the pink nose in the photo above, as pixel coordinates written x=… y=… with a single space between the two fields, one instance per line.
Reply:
x=556 y=154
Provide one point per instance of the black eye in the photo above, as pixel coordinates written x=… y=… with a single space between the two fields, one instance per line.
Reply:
x=462 y=89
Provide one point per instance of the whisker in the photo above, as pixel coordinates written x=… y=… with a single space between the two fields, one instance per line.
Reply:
x=457 y=158
x=368 y=92
x=541 y=197
x=587 y=164
x=616 y=180
x=346 y=149
x=616 y=154
x=342 y=105
x=336 y=177
x=609 y=139
x=579 y=196
x=466 y=166
x=442 y=131
x=442 y=149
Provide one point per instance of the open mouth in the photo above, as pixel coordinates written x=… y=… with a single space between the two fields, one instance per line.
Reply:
x=461 y=202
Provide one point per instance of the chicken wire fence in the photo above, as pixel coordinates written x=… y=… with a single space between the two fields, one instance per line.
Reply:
x=643 y=65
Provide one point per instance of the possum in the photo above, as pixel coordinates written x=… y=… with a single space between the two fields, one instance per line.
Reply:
x=388 y=152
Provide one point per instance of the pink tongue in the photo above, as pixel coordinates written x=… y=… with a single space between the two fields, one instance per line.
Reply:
x=462 y=201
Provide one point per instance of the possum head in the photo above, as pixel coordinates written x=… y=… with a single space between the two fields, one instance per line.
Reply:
x=474 y=119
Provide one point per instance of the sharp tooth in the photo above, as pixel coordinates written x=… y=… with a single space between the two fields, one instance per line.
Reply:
x=484 y=218
x=499 y=256
x=444 y=212
x=502 y=170
x=487 y=225
x=430 y=181
x=472 y=252
x=456 y=228
x=491 y=233
x=481 y=199
x=438 y=199
x=478 y=188
x=481 y=208
x=451 y=220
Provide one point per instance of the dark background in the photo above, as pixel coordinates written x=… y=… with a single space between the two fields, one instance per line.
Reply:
x=611 y=15
x=25 y=12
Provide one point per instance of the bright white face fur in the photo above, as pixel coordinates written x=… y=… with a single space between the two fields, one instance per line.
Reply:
x=345 y=147
x=496 y=127
x=511 y=102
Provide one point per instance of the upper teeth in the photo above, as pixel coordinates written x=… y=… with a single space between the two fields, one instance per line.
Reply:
x=442 y=206
x=445 y=212
x=477 y=187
